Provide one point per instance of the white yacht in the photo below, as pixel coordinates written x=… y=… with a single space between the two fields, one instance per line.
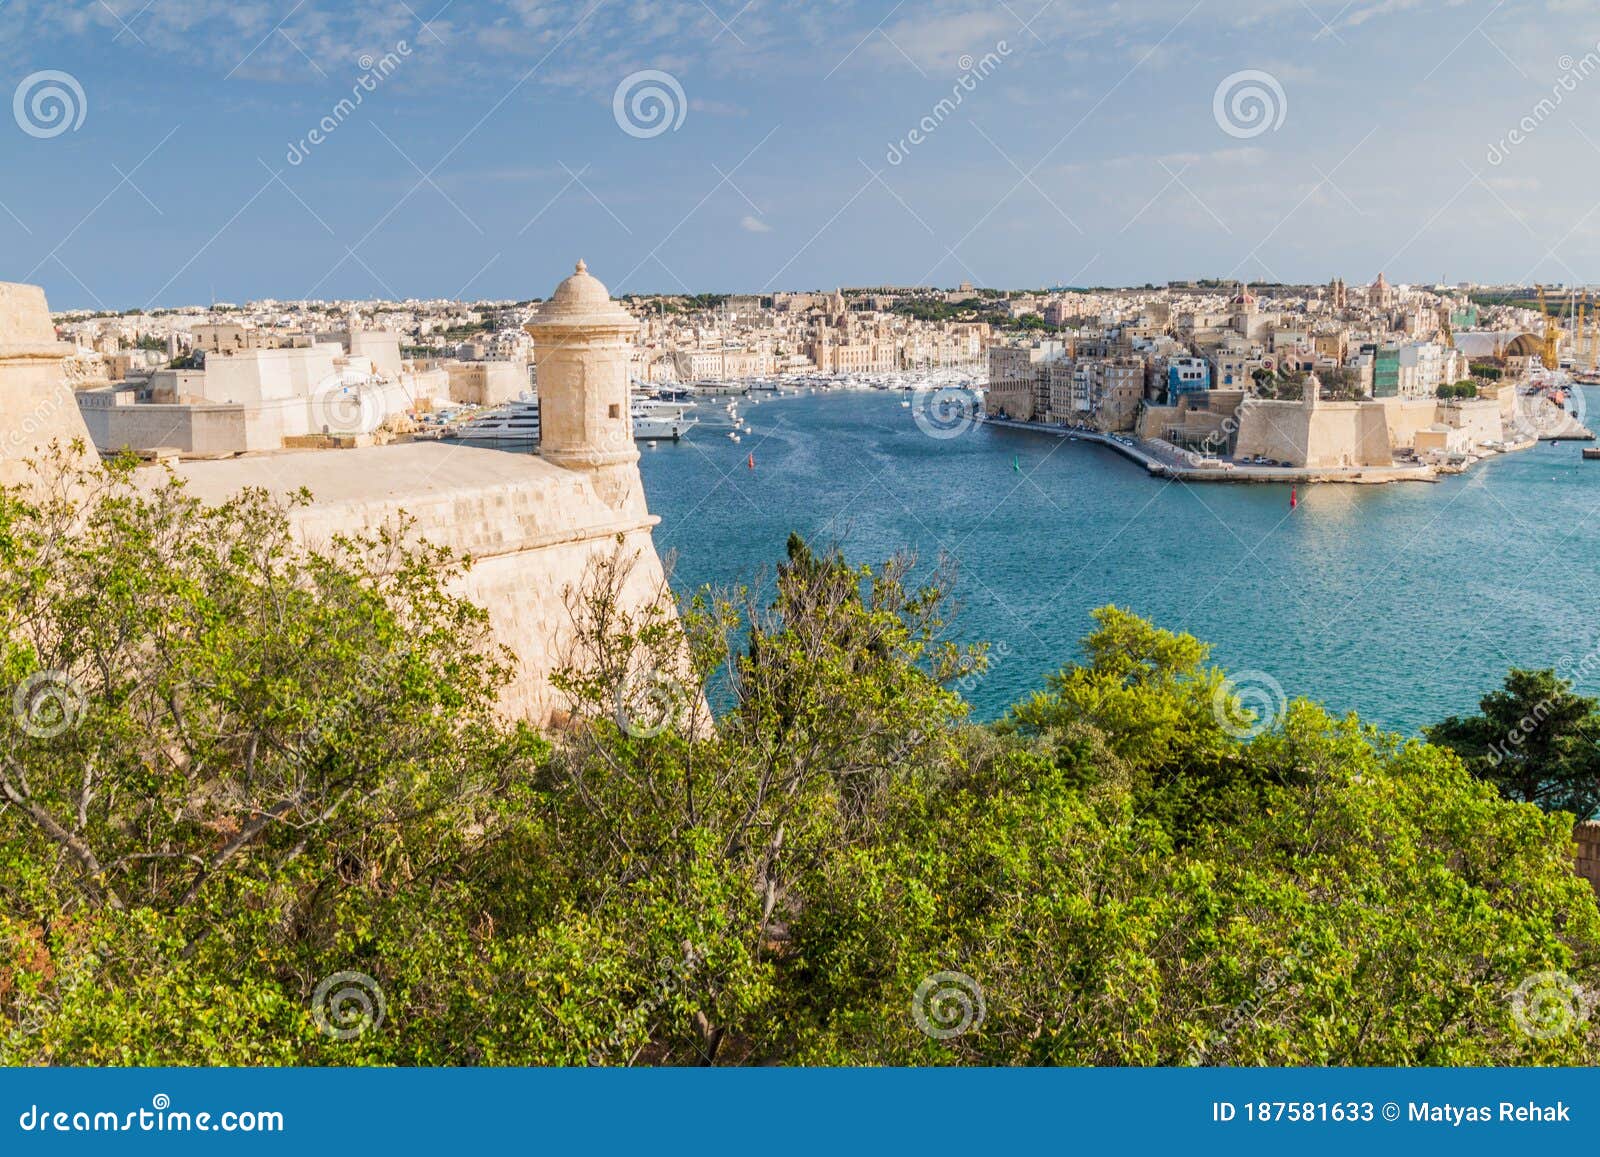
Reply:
x=517 y=423
x=656 y=420
x=514 y=424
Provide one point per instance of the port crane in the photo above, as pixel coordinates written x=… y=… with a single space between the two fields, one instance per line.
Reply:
x=1551 y=355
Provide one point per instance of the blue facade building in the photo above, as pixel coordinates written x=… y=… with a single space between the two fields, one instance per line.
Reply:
x=1187 y=376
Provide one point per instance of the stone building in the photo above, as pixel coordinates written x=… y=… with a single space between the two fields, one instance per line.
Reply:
x=1381 y=295
x=532 y=525
x=260 y=391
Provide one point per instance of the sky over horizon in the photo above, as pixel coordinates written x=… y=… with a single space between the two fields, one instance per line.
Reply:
x=177 y=152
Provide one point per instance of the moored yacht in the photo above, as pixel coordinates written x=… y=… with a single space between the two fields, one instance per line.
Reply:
x=513 y=424
x=654 y=420
x=517 y=423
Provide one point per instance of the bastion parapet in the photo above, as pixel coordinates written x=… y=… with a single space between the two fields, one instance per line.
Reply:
x=37 y=406
x=532 y=525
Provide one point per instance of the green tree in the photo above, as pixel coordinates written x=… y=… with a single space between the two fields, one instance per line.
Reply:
x=250 y=785
x=233 y=766
x=1535 y=740
x=1343 y=898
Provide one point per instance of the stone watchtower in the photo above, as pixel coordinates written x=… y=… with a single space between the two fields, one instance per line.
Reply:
x=581 y=345
x=37 y=406
x=1311 y=399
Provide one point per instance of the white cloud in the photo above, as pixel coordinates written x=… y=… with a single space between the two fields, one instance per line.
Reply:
x=752 y=224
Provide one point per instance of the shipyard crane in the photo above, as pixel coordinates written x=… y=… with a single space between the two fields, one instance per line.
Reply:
x=1590 y=315
x=1552 y=335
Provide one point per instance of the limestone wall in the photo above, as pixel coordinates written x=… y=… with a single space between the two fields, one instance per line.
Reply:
x=1406 y=416
x=24 y=316
x=531 y=529
x=381 y=346
x=487 y=383
x=36 y=403
x=1374 y=439
x=1333 y=434
x=254 y=376
x=1587 y=837
x=1014 y=398
x=114 y=425
x=1479 y=419
x=1276 y=430
x=115 y=421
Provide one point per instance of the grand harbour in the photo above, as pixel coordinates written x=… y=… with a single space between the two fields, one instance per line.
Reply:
x=1043 y=552
x=1047 y=441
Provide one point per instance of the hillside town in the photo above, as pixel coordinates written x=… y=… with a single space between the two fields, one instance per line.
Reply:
x=1373 y=381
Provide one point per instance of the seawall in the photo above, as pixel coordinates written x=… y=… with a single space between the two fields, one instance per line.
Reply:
x=1161 y=467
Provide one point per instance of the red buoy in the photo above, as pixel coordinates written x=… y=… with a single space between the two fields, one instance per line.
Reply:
x=1294 y=497
x=752 y=460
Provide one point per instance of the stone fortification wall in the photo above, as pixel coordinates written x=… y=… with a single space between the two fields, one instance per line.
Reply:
x=114 y=424
x=1478 y=418
x=1587 y=836
x=487 y=383
x=1406 y=416
x=530 y=528
x=533 y=526
x=1276 y=430
x=36 y=403
x=1327 y=435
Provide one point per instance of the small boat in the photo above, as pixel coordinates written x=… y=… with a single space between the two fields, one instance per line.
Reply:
x=1591 y=453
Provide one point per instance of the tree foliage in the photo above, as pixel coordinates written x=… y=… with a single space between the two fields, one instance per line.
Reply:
x=1535 y=740
x=259 y=808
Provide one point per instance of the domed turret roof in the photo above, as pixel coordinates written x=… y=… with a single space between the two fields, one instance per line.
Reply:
x=581 y=300
x=582 y=288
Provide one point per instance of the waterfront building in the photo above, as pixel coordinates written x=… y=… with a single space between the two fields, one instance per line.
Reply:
x=1014 y=386
x=1425 y=366
x=1187 y=376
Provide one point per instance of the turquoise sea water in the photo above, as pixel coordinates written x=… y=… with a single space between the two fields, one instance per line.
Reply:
x=1403 y=602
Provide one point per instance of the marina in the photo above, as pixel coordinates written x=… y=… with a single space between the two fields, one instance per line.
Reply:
x=670 y=412
x=516 y=424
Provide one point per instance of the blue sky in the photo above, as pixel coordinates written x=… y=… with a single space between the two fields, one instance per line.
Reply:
x=1088 y=146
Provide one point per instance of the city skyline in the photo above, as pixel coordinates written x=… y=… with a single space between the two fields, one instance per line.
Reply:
x=166 y=154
